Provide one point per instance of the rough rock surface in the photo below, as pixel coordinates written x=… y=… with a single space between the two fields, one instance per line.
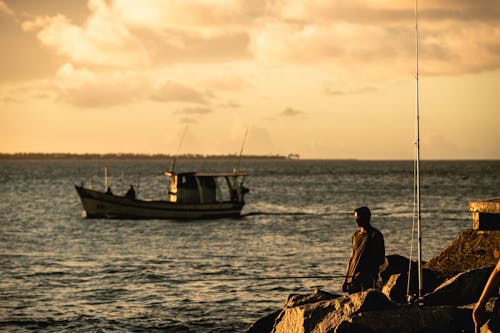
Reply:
x=463 y=288
x=316 y=296
x=264 y=324
x=395 y=288
x=409 y=319
x=324 y=316
x=471 y=249
x=368 y=311
x=395 y=278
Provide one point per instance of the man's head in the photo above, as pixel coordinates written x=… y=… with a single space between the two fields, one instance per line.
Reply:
x=362 y=216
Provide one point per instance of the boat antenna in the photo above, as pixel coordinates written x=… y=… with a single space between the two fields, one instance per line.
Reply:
x=241 y=152
x=178 y=149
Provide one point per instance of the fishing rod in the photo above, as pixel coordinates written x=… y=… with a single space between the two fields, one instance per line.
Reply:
x=262 y=278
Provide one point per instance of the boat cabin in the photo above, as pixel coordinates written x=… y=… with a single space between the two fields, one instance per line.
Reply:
x=196 y=188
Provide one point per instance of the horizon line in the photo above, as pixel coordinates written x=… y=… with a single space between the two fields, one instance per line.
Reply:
x=33 y=155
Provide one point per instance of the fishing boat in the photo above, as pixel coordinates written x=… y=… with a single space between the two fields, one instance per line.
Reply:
x=191 y=195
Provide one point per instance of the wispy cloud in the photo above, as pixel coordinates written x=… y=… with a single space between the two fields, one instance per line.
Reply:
x=196 y=111
x=84 y=88
x=5 y=9
x=188 y=120
x=355 y=91
x=174 y=92
x=291 y=112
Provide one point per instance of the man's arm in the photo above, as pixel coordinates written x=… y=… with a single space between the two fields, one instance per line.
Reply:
x=479 y=314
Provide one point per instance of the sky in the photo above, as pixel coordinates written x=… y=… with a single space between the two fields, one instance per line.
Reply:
x=319 y=78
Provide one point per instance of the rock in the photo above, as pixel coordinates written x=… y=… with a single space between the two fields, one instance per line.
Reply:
x=409 y=319
x=396 y=264
x=463 y=288
x=324 y=316
x=316 y=296
x=264 y=324
x=396 y=287
x=472 y=249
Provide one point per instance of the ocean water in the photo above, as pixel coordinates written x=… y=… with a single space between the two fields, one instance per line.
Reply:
x=60 y=272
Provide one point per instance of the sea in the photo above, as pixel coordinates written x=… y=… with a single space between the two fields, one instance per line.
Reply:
x=60 y=272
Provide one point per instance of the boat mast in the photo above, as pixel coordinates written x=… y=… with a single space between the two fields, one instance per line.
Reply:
x=105 y=179
x=417 y=161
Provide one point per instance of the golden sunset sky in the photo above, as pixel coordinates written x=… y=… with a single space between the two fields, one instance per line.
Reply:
x=320 y=78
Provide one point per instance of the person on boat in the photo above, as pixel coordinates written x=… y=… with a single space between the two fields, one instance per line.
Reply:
x=368 y=254
x=130 y=193
x=108 y=191
x=490 y=290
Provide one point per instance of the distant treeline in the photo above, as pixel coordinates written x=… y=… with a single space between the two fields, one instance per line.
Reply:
x=61 y=156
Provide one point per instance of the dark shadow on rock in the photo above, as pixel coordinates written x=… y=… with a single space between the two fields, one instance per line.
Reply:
x=463 y=288
x=264 y=324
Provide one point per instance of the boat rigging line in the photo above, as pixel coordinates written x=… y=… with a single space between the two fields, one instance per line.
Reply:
x=178 y=149
x=235 y=170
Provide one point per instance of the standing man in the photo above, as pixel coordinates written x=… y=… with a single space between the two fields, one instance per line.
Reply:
x=368 y=254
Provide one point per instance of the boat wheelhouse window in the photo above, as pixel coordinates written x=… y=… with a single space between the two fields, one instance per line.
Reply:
x=192 y=188
x=196 y=189
x=208 y=189
x=187 y=189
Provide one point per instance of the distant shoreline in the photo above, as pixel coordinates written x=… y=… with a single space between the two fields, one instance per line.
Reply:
x=131 y=156
x=124 y=156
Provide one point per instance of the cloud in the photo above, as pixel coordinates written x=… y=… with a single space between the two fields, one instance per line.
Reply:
x=360 y=37
x=259 y=141
x=188 y=120
x=361 y=90
x=109 y=37
x=178 y=46
x=230 y=105
x=209 y=15
x=83 y=88
x=174 y=92
x=196 y=111
x=100 y=95
x=354 y=38
x=5 y=9
x=290 y=112
x=227 y=83
x=102 y=40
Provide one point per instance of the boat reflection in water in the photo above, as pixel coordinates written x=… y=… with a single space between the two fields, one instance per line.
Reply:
x=191 y=196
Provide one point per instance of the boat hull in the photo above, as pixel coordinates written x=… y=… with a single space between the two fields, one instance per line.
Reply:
x=101 y=205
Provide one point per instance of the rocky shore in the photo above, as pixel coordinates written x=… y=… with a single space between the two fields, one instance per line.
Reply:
x=453 y=281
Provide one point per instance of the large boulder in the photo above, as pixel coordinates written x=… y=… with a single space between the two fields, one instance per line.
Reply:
x=325 y=316
x=266 y=323
x=471 y=249
x=463 y=288
x=364 y=312
x=409 y=319
x=396 y=264
x=396 y=288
